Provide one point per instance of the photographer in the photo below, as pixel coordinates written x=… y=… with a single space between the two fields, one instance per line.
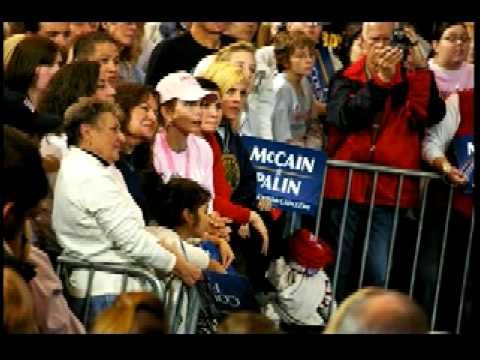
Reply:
x=378 y=108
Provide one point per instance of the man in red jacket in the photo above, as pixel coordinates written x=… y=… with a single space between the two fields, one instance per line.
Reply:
x=378 y=108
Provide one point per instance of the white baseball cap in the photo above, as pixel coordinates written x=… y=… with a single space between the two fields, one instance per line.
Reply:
x=180 y=85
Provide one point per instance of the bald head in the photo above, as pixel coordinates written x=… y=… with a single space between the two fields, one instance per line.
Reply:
x=376 y=34
x=378 y=311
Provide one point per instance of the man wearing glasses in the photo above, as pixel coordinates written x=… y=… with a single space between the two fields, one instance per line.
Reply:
x=378 y=108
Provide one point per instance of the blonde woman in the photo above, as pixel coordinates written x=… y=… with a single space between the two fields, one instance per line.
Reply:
x=256 y=113
x=239 y=172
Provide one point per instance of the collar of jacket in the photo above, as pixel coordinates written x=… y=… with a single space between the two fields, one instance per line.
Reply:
x=99 y=158
x=356 y=71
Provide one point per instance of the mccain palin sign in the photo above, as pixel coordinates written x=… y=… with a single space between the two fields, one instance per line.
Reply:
x=290 y=176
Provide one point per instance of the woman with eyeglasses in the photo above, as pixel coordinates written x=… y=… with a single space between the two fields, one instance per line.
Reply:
x=451 y=46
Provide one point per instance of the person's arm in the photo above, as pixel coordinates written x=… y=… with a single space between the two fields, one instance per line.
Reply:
x=282 y=115
x=120 y=225
x=437 y=140
x=426 y=106
x=353 y=107
x=170 y=240
x=208 y=166
x=222 y=189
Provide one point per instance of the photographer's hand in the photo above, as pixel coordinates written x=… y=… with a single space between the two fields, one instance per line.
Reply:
x=388 y=58
x=416 y=58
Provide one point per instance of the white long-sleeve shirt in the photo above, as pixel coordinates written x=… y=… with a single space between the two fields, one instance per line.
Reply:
x=95 y=219
x=438 y=137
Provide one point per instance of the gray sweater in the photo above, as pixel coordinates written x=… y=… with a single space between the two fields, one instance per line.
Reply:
x=290 y=112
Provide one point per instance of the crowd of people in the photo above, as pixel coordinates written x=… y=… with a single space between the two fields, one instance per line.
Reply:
x=123 y=144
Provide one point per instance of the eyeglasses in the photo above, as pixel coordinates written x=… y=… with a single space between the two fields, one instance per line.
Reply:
x=304 y=55
x=377 y=40
x=454 y=39
x=314 y=23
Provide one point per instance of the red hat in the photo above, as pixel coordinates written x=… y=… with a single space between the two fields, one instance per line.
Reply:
x=308 y=251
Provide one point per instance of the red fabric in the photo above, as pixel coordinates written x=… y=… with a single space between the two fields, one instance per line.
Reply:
x=398 y=144
x=275 y=213
x=222 y=189
x=309 y=252
x=461 y=201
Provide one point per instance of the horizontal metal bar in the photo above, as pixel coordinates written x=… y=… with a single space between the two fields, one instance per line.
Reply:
x=382 y=169
x=115 y=268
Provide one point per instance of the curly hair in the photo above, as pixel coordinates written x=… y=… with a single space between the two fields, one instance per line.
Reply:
x=71 y=82
x=86 y=111
x=286 y=43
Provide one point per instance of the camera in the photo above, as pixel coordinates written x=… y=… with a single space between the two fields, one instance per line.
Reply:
x=400 y=39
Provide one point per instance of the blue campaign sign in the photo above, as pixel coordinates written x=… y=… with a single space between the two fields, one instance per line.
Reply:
x=290 y=176
x=464 y=150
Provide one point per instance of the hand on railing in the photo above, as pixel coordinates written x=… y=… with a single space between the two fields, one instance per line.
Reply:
x=456 y=177
x=186 y=271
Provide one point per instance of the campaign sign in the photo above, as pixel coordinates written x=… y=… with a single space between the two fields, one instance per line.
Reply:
x=290 y=176
x=464 y=150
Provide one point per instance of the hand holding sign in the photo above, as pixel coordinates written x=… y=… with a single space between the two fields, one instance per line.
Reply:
x=264 y=204
x=259 y=225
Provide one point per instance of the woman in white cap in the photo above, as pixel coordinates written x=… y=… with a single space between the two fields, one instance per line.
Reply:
x=177 y=152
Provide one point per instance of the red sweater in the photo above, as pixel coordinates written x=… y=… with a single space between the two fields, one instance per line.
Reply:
x=223 y=191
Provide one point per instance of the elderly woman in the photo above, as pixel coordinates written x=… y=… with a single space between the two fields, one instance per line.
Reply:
x=94 y=217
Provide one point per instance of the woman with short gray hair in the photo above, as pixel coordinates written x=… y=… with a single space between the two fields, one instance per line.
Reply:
x=94 y=218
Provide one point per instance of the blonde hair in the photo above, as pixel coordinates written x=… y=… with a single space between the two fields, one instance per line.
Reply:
x=247 y=323
x=224 y=74
x=19 y=309
x=240 y=46
x=9 y=46
x=120 y=318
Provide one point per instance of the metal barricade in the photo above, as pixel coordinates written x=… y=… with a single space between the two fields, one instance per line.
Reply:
x=163 y=288
x=376 y=171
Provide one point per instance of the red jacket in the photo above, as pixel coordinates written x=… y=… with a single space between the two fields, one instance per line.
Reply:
x=222 y=189
x=461 y=202
x=403 y=107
